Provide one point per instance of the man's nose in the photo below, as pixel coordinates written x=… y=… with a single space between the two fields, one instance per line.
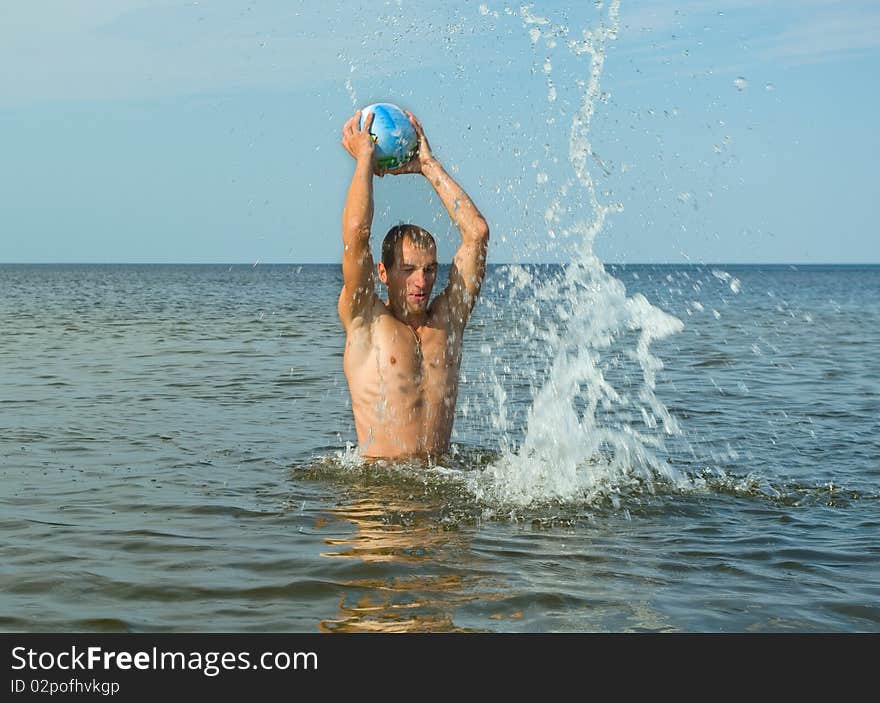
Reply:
x=419 y=277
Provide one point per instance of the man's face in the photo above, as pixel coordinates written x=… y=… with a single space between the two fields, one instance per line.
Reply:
x=411 y=278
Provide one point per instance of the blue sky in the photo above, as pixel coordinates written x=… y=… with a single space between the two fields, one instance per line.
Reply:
x=170 y=131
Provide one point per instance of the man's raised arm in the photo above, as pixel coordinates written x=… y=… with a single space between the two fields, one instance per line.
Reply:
x=469 y=264
x=357 y=295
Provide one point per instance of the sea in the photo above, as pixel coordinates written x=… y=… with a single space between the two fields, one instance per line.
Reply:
x=637 y=448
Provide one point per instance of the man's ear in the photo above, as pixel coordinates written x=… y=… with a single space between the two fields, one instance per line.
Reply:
x=383 y=274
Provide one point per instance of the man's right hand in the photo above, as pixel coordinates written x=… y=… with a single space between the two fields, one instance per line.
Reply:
x=359 y=142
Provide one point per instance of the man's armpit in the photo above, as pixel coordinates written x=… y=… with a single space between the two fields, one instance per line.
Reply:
x=361 y=299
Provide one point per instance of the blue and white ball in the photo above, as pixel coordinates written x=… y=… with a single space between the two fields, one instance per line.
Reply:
x=396 y=140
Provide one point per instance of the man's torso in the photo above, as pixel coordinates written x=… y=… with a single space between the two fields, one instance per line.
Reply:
x=403 y=382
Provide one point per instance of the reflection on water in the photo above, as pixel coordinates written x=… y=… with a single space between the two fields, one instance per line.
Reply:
x=426 y=570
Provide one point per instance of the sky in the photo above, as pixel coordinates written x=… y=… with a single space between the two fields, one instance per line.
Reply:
x=167 y=131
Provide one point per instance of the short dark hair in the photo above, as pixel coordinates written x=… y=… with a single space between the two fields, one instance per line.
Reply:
x=418 y=236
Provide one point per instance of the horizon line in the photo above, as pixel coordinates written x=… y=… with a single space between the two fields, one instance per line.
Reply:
x=493 y=263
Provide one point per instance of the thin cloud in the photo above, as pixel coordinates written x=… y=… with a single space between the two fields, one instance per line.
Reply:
x=752 y=32
x=131 y=49
x=825 y=38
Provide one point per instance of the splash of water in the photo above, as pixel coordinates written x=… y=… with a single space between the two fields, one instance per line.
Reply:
x=592 y=431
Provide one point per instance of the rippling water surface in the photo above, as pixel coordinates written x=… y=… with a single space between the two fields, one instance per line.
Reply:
x=174 y=451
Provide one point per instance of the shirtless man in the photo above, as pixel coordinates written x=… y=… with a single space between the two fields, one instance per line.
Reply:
x=402 y=356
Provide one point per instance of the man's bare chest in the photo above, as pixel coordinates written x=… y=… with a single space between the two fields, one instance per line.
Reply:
x=421 y=354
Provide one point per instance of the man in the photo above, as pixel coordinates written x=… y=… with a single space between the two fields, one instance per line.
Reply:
x=402 y=356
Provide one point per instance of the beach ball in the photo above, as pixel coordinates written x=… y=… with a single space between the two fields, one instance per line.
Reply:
x=394 y=136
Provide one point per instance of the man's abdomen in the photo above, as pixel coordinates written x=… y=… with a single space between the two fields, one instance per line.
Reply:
x=395 y=416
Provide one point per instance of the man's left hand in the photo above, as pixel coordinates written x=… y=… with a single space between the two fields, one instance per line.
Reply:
x=422 y=156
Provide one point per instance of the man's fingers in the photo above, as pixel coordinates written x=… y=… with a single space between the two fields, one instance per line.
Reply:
x=368 y=121
x=415 y=122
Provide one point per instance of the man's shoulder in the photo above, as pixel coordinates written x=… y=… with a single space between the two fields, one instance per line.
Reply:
x=443 y=313
x=364 y=322
x=363 y=319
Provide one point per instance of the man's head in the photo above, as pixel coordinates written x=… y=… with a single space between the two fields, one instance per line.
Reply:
x=408 y=268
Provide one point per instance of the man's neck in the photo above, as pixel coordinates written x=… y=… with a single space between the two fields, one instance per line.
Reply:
x=414 y=320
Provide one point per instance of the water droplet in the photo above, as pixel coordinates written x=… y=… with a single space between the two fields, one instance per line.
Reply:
x=740 y=83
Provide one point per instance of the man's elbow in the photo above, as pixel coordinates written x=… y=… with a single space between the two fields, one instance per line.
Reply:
x=355 y=230
x=479 y=232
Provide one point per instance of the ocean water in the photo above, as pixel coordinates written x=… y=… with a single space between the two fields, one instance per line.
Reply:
x=175 y=455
